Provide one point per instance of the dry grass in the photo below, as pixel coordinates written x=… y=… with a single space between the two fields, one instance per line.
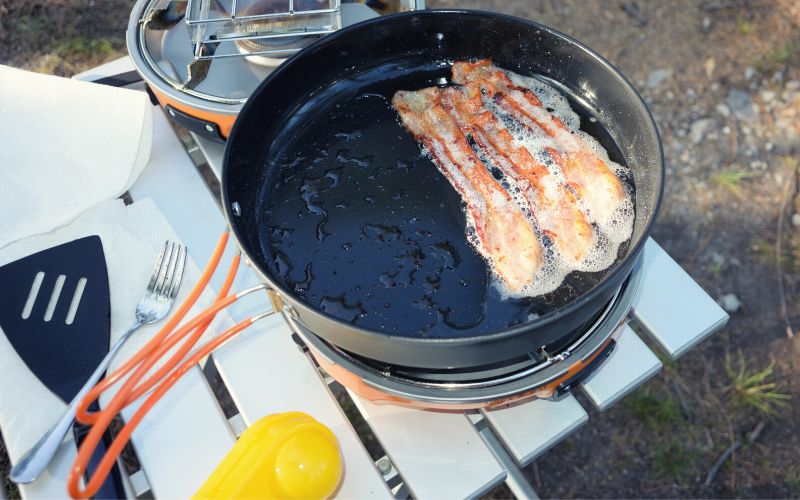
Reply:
x=62 y=37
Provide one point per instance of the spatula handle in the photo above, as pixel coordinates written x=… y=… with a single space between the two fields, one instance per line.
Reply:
x=41 y=454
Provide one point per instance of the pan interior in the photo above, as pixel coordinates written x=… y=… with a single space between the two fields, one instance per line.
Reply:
x=359 y=224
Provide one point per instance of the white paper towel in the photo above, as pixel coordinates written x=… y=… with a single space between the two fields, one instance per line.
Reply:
x=65 y=145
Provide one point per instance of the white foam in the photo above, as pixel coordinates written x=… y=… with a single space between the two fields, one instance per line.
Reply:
x=612 y=222
x=550 y=97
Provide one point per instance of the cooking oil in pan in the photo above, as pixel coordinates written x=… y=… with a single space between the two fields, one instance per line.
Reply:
x=361 y=225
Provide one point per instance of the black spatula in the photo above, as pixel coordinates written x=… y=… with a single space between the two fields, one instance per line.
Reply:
x=55 y=311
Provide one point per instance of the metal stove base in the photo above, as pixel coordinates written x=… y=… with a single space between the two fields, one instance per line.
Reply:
x=550 y=378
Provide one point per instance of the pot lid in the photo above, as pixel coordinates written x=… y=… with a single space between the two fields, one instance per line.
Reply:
x=220 y=50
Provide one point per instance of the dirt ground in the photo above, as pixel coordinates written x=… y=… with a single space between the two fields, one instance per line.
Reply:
x=722 y=79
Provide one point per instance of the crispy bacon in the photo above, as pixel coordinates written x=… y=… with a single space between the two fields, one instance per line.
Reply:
x=507 y=238
x=553 y=206
x=586 y=173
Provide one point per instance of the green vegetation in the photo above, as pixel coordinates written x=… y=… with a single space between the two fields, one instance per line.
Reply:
x=744 y=27
x=665 y=359
x=784 y=53
x=81 y=46
x=732 y=179
x=673 y=459
x=72 y=54
x=771 y=62
x=569 y=445
x=793 y=478
x=30 y=25
x=764 y=248
x=716 y=268
x=656 y=409
x=750 y=388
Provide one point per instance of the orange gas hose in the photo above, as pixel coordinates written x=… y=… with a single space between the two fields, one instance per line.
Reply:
x=113 y=452
x=165 y=377
x=82 y=414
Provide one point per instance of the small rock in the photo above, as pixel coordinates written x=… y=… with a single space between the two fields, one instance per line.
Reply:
x=726 y=130
x=749 y=72
x=740 y=105
x=717 y=259
x=768 y=147
x=706 y=23
x=793 y=85
x=723 y=110
x=796 y=220
x=777 y=77
x=698 y=129
x=767 y=95
x=715 y=86
x=658 y=76
x=730 y=302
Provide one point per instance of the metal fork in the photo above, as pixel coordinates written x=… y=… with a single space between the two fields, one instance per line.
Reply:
x=153 y=306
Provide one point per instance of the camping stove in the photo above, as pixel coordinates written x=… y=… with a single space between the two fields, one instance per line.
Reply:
x=202 y=59
x=548 y=372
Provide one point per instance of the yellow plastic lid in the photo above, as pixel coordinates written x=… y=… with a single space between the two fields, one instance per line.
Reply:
x=287 y=455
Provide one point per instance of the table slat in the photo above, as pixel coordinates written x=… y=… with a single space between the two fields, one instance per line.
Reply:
x=530 y=429
x=267 y=373
x=671 y=307
x=440 y=455
x=183 y=438
x=629 y=365
x=111 y=68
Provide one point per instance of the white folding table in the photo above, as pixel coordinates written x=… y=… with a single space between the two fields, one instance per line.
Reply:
x=428 y=454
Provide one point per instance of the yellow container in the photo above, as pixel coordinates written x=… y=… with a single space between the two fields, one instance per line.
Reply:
x=288 y=455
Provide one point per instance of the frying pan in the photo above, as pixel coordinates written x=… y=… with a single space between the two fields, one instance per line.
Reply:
x=325 y=191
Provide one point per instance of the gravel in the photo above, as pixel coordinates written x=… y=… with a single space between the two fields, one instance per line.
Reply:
x=658 y=76
x=741 y=105
x=730 y=302
x=698 y=129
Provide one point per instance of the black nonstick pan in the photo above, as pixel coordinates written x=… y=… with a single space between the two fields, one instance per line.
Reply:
x=358 y=233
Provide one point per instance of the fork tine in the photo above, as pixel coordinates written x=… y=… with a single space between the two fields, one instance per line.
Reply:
x=162 y=273
x=176 y=281
x=173 y=262
x=151 y=287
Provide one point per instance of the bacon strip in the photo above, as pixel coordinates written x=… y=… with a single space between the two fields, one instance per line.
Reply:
x=553 y=205
x=586 y=173
x=506 y=236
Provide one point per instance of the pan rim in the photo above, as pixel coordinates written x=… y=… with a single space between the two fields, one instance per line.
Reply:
x=634 y=250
